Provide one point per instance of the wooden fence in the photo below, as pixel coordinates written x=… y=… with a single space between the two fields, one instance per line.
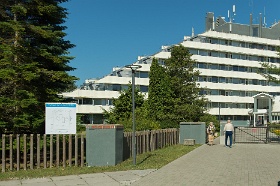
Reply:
x=22 y=152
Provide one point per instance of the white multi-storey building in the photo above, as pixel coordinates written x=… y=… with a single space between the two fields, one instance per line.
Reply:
x=229 y=57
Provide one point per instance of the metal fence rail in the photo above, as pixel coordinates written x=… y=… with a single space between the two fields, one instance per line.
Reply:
x=270 y=134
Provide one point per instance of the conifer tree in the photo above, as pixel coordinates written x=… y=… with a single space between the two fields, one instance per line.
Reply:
x=188 y=105
x=33 y=62
x=160 y=94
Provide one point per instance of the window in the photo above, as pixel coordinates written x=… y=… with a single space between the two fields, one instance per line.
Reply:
x=87 y=101
x=255 y=82
x=97 y=101
x=222 y=67
x=214 y=66
x=215 y=79
x=228 y=93
x=201 y=65
x=228 y=80
x=214 y=92
x=222 y=79
x=116 y=87
x=235 y=68
x=235 y=80
x=143 y=88
x=222 y=92
x=144 y=74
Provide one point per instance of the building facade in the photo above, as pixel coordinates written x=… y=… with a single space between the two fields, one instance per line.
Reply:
x=229 y=57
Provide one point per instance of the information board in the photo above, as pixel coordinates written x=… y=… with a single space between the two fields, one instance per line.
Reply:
x=60 y=118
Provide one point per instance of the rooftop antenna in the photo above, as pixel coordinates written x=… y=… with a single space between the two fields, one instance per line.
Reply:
x=233 y=10
x=251 y=4
x=264 y=23
x=192 y=32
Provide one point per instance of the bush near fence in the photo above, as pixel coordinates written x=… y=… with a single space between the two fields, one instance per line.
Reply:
x=23 y=152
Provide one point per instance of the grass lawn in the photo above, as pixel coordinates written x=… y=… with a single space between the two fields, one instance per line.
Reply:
x=149 y=160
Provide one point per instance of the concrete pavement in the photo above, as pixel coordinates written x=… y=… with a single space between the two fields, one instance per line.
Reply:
x=243 y=164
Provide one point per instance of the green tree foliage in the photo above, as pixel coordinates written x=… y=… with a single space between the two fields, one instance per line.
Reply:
x=271 y=71
x=160 y=93
x=207 y=118
x=122 y=106
x=33 y=61
x=188 y=105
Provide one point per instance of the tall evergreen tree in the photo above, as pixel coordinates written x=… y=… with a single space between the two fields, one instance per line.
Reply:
x=188 y=104
x=33 y=61
x=160 y=94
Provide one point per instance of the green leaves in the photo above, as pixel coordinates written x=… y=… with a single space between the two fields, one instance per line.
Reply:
x=33 y=62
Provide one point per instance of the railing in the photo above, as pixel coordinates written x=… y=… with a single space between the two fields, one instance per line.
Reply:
x=22 y=152
x=268 y=134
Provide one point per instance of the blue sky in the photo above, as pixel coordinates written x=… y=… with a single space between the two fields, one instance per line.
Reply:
x=110 y=33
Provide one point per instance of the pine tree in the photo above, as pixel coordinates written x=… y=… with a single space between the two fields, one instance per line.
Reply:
x=33 y=61
x=160 y=94
x=188 y=105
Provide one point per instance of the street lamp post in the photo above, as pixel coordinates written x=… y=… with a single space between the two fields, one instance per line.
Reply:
x=133 y=69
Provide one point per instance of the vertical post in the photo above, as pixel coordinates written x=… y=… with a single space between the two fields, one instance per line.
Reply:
x=57 y=150
x=11 y=152
x=51 y=151
x=82 y=151
x=63 y=151
x=3 y=152
x=70 y=150
x=24 y=152
x=38 y=151
x=133 y=69
x=18 y=152
x=31 y=151
x=45 y=150
x=133 y=118
x=219 y=114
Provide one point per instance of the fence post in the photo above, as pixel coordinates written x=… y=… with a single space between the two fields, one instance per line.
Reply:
x=38 y=152
x=82 y=150
x=31 y=151
x=11 y=152
x=3 y=153
x=51 y=151
x=70 y=150
x=63 y=151
x=18 y=152
x=57 y=150
x=24 y=152
x=45 y=151
x=76 y=149
x=266 y=134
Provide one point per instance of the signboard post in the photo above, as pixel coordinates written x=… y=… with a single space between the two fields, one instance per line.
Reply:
x=60 y=118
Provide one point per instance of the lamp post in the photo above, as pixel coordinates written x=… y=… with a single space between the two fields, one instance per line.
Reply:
x=133 y=69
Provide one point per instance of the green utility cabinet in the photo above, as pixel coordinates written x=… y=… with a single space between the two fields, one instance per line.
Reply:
x=193 y=130
x=104 y=144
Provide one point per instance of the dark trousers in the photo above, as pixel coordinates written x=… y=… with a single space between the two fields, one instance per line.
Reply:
x=228 y=135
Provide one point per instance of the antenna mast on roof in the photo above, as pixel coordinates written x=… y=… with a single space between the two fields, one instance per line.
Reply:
x=231 y=18
x=264 y=23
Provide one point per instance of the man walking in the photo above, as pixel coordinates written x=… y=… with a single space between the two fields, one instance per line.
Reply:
x=228 y=130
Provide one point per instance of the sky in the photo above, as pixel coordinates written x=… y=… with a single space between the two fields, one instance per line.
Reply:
x=111 y=33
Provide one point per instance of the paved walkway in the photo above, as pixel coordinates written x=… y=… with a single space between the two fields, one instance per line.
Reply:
x=242 y=165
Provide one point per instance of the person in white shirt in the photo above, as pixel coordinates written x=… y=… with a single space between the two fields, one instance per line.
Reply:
x=228 y=130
